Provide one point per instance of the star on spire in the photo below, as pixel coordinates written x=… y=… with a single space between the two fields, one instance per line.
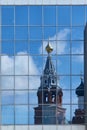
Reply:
x=49 y=48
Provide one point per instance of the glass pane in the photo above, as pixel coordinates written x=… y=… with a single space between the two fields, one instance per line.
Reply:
x=75 y=111
x=33 y=99
x=21 y=46
x=77 y=64
x=21 y=82
x=63 y=65
x=49 y=32
x=35 y=47
x=78 y=15
x=8 y=97
x=76 y=80
x=35 y=65
x=67 y=114
x=7 y=82
x=63 y=33
x=21 y=15
x=63 y=47
x=35 y=11
x=77 y=47
x=7 y=65
x=34 y=82
x=21 y=65
x=7 y=33
x=66 y=97
x=35 y=33
x=7 y=47
x=21 y=97
x=63 y=15
x=77 y=33
x=31 y=113
x=64 y=82
x=75 y=99
x=49 y=14
x=7 y=15
x=8 y=115
x=21 y=114
x=21 y=33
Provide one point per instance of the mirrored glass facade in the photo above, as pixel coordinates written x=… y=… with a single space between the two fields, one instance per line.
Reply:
x=25 y=31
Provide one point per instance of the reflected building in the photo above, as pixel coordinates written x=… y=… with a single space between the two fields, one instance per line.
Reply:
x=81 y=92
x=79 y=112
x=50 y=94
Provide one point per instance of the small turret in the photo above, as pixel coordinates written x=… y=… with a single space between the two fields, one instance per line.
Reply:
x=79 y=112
x=80 y=89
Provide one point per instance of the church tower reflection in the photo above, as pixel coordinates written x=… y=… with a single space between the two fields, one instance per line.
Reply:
x=50 y=95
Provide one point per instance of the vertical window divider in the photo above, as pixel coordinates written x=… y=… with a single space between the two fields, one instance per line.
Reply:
x=0 y=70
x=28 y=66
x=56 y=58
x=71 y=65
x=14 y=69
x=42 y=54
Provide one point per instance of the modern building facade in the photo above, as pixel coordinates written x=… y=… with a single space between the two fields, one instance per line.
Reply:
x=24 y=32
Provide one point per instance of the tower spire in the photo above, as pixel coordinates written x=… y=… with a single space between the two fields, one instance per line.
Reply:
x=49 y=67
x=81 y=76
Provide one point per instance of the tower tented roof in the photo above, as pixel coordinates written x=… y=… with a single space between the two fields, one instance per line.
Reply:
x=80 y=89
x=49 y=67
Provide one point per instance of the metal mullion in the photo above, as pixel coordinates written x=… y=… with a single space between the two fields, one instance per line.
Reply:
x=71 y=66
x=42 y=25
x=33 y=40
x=40 y=75
x=14 y=71
x=0 y=72
x=84 y=74
x=28 y=66
x=46 y=55
x=56 y=62
x=42 y=56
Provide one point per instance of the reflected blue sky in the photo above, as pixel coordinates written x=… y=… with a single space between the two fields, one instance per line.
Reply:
x=25 y=31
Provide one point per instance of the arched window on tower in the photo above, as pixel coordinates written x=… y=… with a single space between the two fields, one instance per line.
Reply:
x=53 y=98
x=46 y=98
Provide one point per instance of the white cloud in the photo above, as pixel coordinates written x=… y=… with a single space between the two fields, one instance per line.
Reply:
x=78 y=59
x=21 y=69
x=58 y=42
x=7 y=65
x=78 y=50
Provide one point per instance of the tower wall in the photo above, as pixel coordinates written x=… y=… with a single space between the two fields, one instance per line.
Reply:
x=81 y=102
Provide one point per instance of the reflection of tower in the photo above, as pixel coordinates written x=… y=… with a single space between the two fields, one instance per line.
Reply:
x=79 y=113
x=49 y=110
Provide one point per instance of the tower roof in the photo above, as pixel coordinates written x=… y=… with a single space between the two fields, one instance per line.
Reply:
x=80 y=89
x=49 y=79
x=49 y=67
